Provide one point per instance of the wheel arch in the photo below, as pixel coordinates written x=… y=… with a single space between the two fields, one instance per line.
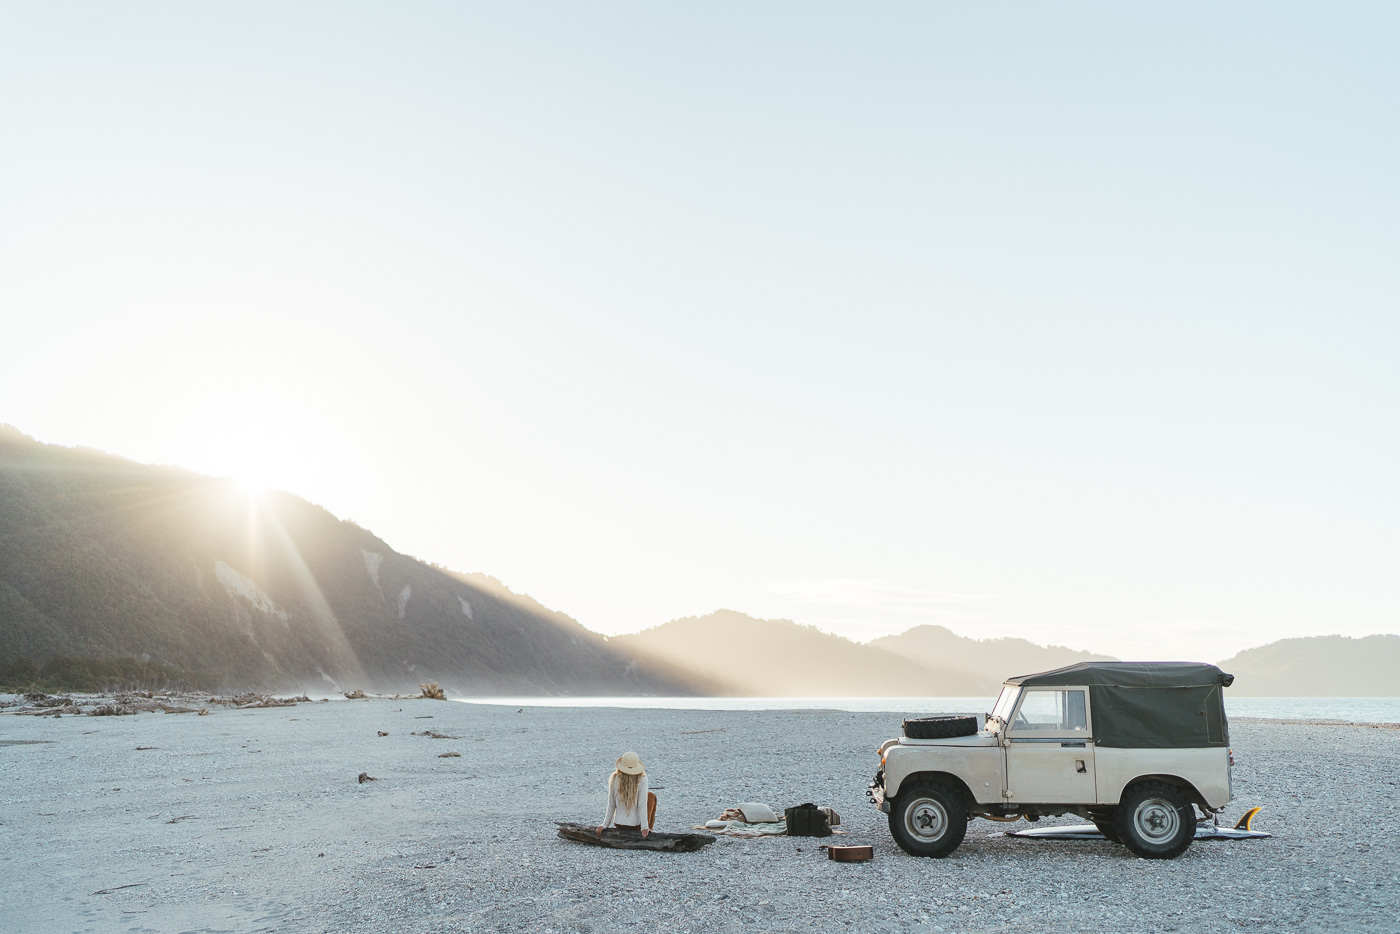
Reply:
x=951 y=781
x=1187 y=787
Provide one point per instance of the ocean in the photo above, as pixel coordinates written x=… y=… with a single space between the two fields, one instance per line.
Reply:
x=1354 y=709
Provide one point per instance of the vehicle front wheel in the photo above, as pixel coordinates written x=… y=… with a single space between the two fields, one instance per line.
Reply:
x=928 y=819
x=1155 y=820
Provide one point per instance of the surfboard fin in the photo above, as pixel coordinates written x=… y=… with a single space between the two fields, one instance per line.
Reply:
x=1244 y=822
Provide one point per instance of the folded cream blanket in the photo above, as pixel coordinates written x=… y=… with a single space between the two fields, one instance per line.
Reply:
x=754 y=813
x=738 y=828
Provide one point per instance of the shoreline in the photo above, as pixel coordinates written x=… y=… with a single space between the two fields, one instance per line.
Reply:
x=11 y=703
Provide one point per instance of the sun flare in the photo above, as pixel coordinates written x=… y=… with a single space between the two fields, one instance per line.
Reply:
x=252 y=485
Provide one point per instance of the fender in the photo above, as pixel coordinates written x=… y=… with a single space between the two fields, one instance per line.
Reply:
x=977 y=768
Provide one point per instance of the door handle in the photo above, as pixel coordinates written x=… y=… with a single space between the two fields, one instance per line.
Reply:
x=1079 y=766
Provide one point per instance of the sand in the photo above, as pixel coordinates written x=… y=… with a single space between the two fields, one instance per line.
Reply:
x=253 y=820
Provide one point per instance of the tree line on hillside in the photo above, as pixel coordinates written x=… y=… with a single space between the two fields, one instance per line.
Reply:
x=62 y=673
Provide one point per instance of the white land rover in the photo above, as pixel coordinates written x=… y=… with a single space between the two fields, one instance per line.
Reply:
x=1129 y=745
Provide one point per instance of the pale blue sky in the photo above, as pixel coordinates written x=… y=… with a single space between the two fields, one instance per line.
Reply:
x=1073 y=322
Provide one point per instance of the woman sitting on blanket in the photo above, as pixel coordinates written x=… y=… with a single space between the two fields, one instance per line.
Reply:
x=628 y=796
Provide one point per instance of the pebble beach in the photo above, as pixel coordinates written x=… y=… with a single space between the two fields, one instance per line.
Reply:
x=257 y=820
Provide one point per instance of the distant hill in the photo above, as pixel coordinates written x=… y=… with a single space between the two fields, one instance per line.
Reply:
x=992 y=660
x=102 y=558
x=1318 y=666
x=779 y=658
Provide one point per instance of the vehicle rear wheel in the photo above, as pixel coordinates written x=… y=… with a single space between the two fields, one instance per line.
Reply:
x=1155 y=820
x=928 y=819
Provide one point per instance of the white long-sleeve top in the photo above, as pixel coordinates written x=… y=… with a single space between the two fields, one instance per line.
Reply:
x=637 y=813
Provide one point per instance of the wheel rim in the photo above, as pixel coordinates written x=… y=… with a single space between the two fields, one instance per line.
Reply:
x=1156 y=820
x=926 y=820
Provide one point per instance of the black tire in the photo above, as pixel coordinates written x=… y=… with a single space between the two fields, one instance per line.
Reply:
x=1106 y=822
x=928 y=819
x=940 y=727
x=1155 y=820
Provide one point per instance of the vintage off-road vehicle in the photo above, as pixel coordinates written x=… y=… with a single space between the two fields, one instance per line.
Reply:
x=1129 y=745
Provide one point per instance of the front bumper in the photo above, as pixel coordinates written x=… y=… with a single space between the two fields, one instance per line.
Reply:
x=876 y=792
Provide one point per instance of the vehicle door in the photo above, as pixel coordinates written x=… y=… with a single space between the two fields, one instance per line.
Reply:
x=1049 y=748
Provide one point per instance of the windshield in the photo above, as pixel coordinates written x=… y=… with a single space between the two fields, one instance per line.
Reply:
x=1006 y=703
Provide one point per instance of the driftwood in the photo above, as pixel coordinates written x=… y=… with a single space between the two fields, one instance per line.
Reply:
x=125 y=706
x=46 y=711
x=112 y=710
x=255 y=701
x=633 y=840
x=42 y=705
x=127 y=703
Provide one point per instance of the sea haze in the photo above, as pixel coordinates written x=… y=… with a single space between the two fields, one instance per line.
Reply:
x=1351 y=709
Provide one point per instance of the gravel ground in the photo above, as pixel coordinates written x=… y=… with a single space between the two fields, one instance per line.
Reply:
x=253 y=820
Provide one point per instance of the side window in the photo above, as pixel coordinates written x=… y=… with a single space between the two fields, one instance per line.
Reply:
x=1061 y=711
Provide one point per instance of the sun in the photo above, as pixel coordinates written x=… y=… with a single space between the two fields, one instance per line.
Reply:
x=249 y=455
x=251 y=484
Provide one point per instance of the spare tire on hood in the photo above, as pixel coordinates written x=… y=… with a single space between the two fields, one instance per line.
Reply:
x=940 y=727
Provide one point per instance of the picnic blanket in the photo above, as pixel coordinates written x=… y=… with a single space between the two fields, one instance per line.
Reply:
x=738 y=828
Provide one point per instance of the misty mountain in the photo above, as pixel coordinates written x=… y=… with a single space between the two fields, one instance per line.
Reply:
x=1318 y=666
x=103 y=558
x=992 y=660
x=779 y=658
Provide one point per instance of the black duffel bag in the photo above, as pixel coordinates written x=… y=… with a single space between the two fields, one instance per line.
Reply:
x=806 y=820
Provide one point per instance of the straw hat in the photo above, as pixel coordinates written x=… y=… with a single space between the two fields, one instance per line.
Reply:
x=629 y=762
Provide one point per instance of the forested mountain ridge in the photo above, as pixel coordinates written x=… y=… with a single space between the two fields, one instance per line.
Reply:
x=101 y=557
x=1318 y=666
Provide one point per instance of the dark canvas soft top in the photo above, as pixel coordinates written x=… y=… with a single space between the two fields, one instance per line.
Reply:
x=1159 y=705
x=1131 y=674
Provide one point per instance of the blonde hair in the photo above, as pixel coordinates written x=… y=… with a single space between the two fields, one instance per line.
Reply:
x=626 y=787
